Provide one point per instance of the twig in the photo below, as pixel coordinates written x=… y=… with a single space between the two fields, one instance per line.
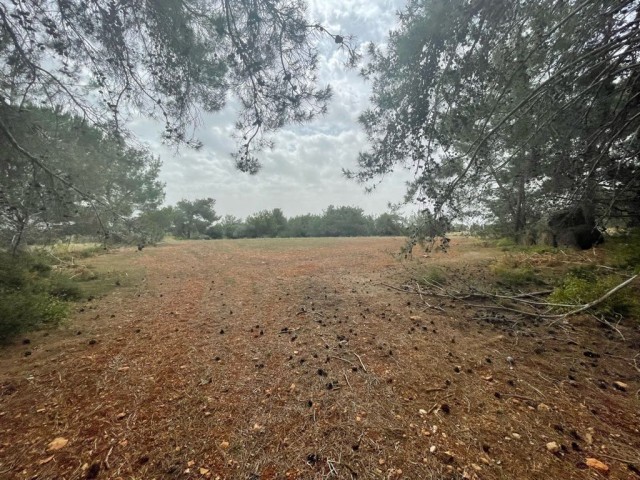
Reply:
x=106 y=459
x=519 y=397
x=608 y=324
x=435 y=405
x=363 y=367
x=438 y=389
x=346 y=378
x=344 y=360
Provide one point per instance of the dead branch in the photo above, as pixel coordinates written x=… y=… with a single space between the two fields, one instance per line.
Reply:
x=589 y=305
x=363 y=367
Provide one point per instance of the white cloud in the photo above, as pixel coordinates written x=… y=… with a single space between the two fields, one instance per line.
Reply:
x=303 y=173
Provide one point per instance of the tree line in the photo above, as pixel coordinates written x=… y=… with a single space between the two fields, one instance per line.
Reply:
x=197 y=219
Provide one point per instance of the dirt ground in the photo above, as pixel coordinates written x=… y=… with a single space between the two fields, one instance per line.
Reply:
x=288 y=359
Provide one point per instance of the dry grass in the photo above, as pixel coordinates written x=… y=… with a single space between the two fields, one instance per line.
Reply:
x=287 y=359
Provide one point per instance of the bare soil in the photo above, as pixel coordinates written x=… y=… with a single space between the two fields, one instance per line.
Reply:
x=288 y=359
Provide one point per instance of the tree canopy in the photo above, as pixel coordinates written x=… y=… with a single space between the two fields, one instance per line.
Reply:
x=509 y=109
x=121 y=180
x=168 y=60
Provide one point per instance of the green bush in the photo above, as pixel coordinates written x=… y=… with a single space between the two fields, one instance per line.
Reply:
x=515 y=276
x=29 y=295
x=21 y=311
x=582 y=286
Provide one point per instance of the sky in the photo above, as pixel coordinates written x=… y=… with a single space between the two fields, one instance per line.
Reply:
x=303 y=172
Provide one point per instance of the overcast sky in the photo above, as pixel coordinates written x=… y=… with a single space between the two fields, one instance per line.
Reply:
x=303 y=173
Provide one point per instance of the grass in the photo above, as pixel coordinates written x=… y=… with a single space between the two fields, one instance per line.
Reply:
x=584 y=285
x=623 y=250
x=432 y=275
x=514 y=271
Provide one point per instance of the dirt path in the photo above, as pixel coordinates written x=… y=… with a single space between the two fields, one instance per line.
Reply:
x=287 y=359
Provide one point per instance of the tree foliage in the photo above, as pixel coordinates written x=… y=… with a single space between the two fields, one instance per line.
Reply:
x=509 y=109
x=168 y=60
x=121 y=180
x=193 y=217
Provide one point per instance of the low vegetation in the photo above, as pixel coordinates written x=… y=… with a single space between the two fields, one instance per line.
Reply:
x=38 y=288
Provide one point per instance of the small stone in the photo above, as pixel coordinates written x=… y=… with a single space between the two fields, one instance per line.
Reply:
x=597 y=465
x=422 y=411
x=432 y=449
x=620 y=386
x=543 y=407
x=516 y=435
x=553 y=447
x=588 y=437
x=224 y=444
x=381 y=461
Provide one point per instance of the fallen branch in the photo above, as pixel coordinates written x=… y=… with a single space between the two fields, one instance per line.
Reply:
x=363 y=367
x=589 y=305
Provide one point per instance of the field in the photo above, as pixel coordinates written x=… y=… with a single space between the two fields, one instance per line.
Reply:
x=305 y=359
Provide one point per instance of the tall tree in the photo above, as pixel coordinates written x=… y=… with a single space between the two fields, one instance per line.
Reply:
x=194 y=217
x=510 y=108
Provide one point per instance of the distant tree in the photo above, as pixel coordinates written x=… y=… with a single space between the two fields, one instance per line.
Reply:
x=193 y=218
x=346 y=222
x=267 y=223
x=232 y=227
x=154 y=224
x=305 y=226
x=389 y=224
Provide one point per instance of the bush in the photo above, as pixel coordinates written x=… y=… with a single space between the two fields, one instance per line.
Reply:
x=21 y=311
x=513 y=270
x=433 y=275
x=30 y=296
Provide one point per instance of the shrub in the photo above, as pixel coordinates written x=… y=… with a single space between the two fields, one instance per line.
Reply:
x=28 y=297
x=21 y=311
x=513 y=270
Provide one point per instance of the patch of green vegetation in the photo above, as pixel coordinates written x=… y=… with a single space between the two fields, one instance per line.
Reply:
x=517 y=276
x=64 y=288
x=623 y=251
x=513 y=271
x=584 y=285
x=432 y=275
x=35 y=290
x=510 y=245
x=26 y=295
x=506 y=243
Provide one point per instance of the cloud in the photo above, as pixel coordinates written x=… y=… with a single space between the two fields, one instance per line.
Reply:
x=303 y=172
